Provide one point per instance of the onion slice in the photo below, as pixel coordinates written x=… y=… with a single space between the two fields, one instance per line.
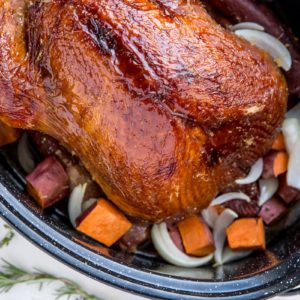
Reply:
x=210 y=216
x=247 y=25
x=294 y=112
x=270 y=44
x=25 y=156
x=230 y=256
x=290 y=130
x=293 y=174
x=88 y=203
x=75 y=203
x=167 y=249
x=254 y=173
x=223 y=221
x=230 y=196
x=267 y=188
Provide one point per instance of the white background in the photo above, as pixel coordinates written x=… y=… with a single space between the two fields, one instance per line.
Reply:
x=23 y=254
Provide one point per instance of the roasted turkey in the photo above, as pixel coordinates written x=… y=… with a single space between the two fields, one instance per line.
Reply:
x=163 y=106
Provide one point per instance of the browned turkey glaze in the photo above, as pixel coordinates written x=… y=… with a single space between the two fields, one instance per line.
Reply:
x=163 y=106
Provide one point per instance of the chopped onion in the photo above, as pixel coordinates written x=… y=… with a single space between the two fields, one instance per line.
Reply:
x=168 y=250
x=267 y=188
x=293 y=215
x=88 y=203
x=254 y=173
x=294 y=112
x=25 y=156
x=210 y=216
x=290 y=130
x=223 y=221
x=230 y=256
x=293 y=174
x=270 y=44
x=75 y=203
x=229 y=196
x=247 y=25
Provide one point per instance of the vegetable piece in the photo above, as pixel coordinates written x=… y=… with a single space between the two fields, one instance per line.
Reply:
x=196 y=236
x=280 y=163
x=167 y=249
x=229 y=196
x=25 y=155
x=175 y=235
x=223 y=221
x=268 y=188
x=210 y=216
x=279 y=144
x=230 y=256
x=247 y=25
x=294 y=113
x=104 y=223
x=287 y=193
x=293 y=174
x=75 y=203
x=8 y=135
x=270 y=44
x=246 y=234
x=291 y=130
x=243 y=209
x=272 y=211
x=48 y=183
x=254 y=174
x=293 y=215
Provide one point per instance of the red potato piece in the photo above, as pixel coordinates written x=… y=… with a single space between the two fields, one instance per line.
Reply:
x=272 y=211
x=246 y=234
x=48 y=182
x=256 y=11
x=243 y=208
x=268 y=170
x=287 y=193
x=8 y=135
x=175 y=235
x=105 y=223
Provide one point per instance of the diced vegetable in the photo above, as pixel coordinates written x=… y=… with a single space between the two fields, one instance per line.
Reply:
x=268 y=188
x=268 y=170
x=8 y=135
x=279 y=144
x=272 y=211
x=105 y=223
x=287 y=193
x=255 y=172
x=48 y=182
x=280 y=163
x=175 y=235
x=196 y=236
x=246 y=234
x=243 y=209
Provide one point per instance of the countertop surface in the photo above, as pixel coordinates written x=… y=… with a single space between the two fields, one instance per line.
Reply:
x=22 y=253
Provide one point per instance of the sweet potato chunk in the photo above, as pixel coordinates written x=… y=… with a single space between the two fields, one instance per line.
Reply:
x=105 y=223
x=196 y=237
x=246 y=234
x=48 y=182
x=8 y=135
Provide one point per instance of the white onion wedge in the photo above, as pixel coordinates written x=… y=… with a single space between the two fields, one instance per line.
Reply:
x=75 y=203
x=25 y=156
x=210 y=216
x=230 y=256
x=293 y=174
x=293 y=215
x=223 y=221
x=267 y=188
x=168 y=250
x=88 y=203
x=254 y=174
x=294 y=112
x=270 y=44
x=247 y=25
x=230 y=196
x=290 y=130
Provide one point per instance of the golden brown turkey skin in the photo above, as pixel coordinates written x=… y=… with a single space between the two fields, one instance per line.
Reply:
x=163 y=106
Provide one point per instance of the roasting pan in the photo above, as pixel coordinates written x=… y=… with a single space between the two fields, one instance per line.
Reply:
x=260 y=276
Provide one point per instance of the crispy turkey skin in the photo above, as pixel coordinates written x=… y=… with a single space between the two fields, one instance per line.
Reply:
x=163 y=106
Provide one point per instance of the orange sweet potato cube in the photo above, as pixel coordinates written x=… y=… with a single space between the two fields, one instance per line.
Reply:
x=105 y=223
x=246 y=234
x=196 y=236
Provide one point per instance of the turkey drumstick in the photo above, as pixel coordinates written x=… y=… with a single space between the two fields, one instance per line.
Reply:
x=163 y=106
